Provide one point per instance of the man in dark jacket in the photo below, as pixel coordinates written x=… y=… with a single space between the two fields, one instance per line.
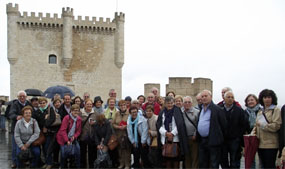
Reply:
x=64 y=109
x=211 y=129
x=235 y=129
x=15 y=114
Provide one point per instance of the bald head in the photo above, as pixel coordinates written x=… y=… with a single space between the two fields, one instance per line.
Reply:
x=150 y=98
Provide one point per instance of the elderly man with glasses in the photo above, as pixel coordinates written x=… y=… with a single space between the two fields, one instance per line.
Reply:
x=190 y=115
x=151 y=101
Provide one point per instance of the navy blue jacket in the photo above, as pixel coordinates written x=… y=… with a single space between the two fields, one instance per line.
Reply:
x=218 y=124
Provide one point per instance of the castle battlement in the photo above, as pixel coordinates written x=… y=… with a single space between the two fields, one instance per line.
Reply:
x=38 y=19
x=10 y=9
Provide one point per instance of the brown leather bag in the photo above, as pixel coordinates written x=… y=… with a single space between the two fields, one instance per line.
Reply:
x=113 y=142
x=41 y=138
x=170 y=149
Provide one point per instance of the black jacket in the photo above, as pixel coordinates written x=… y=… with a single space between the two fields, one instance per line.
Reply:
x=62 y=112
x=40 y=117
x=236 y=122
x=104 y=131
x=281 y=132
x=218 y=124
x=15 y=111
x=183 y=139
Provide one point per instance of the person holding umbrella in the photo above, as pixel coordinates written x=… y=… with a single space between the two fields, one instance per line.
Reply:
x=268 y=122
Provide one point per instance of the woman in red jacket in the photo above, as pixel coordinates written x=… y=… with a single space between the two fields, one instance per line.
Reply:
x=67 y=135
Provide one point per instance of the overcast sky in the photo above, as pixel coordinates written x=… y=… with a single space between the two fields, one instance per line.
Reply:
x=240 y=44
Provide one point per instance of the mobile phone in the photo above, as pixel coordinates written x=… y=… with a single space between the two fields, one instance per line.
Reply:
x=90 y=120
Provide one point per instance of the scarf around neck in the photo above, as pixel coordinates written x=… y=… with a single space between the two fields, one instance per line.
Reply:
x=43 y=109
x=72 y=130
x=252 y=115
x=135 y=122
x=168 y=119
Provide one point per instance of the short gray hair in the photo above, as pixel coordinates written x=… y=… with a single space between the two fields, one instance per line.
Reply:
x=22 y=91
x=188 y=97
x=227 y=89
x=208 y=91
x=168 y=99
x=228 y=92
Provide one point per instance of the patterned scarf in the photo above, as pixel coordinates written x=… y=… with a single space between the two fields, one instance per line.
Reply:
x=168 y=118
x=72 y=130
x=252 y=115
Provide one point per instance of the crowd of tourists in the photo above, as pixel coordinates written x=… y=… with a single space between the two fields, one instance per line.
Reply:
x=146 y=132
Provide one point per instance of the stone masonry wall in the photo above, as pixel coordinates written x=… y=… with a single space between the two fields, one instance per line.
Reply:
x=94 y=63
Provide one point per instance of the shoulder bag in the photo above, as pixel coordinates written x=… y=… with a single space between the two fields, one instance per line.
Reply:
x=57 y=120
x=39 y=141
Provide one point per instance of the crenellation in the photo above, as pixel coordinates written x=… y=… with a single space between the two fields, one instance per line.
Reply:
x=47 y=15
x=67 y=12
x=25 y=14
x=55 y=16
x=94 y=19
x=12 y=10
x=87 y=18
x=120 y=16
x=33 y=14
x=40 y=14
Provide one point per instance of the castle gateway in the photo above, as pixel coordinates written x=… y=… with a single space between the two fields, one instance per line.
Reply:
x=86 y=55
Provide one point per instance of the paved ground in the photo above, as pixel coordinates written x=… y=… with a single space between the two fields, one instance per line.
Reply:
x=5 y=150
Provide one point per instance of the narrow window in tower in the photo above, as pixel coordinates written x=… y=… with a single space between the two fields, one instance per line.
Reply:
x=52 y=59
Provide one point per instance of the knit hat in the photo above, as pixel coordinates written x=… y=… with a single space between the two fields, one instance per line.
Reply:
x=128 y=98
x=98 y=98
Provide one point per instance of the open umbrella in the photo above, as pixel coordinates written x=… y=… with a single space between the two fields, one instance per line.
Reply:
x=61 y=90
x=250 y=147
x=34 y=92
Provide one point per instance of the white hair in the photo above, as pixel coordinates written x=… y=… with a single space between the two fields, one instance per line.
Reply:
x=208 y=91
x=22 y=91
x=188 y=97
x=199 y=94
x=229 y=92
x=227 y=89
x=154 y=88
x=133 y=101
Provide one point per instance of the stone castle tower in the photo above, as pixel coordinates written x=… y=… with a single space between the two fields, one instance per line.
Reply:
x=183 y=86
x=85 y=55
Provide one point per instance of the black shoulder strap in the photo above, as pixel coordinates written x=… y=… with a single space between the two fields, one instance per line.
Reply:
x=190 y=120
x=86 y=120
x=265 y=115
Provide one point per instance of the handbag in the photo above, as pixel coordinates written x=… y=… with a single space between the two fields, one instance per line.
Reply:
x=57 y=120
x=113 y=142
x=153 y=142
x=25 y=155
x=170 y=149
x=40 y=140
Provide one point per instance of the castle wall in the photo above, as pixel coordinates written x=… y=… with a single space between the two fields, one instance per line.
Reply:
x=86 y=60
x=183 y=86
x=149 y=86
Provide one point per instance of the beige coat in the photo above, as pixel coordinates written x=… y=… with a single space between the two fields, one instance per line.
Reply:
x=116 y=122
x=268 y=136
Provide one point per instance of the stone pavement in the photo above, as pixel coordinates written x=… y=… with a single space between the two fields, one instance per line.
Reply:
x=5 y=150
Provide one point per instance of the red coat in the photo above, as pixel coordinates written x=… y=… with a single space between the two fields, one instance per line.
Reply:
x=156 y=107
x=62 y=135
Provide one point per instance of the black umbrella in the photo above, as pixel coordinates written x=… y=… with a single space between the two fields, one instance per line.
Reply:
x=34 y=92
x=61 y=90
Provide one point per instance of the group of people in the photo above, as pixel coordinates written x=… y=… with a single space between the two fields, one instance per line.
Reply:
x=160 y=132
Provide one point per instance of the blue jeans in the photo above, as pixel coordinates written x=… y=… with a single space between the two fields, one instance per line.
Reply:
x=48 y=157
x=14 y=149
x=35 y=161
x=230 y=148
x=2 y=122
x=76 y=155
x=209 y=156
